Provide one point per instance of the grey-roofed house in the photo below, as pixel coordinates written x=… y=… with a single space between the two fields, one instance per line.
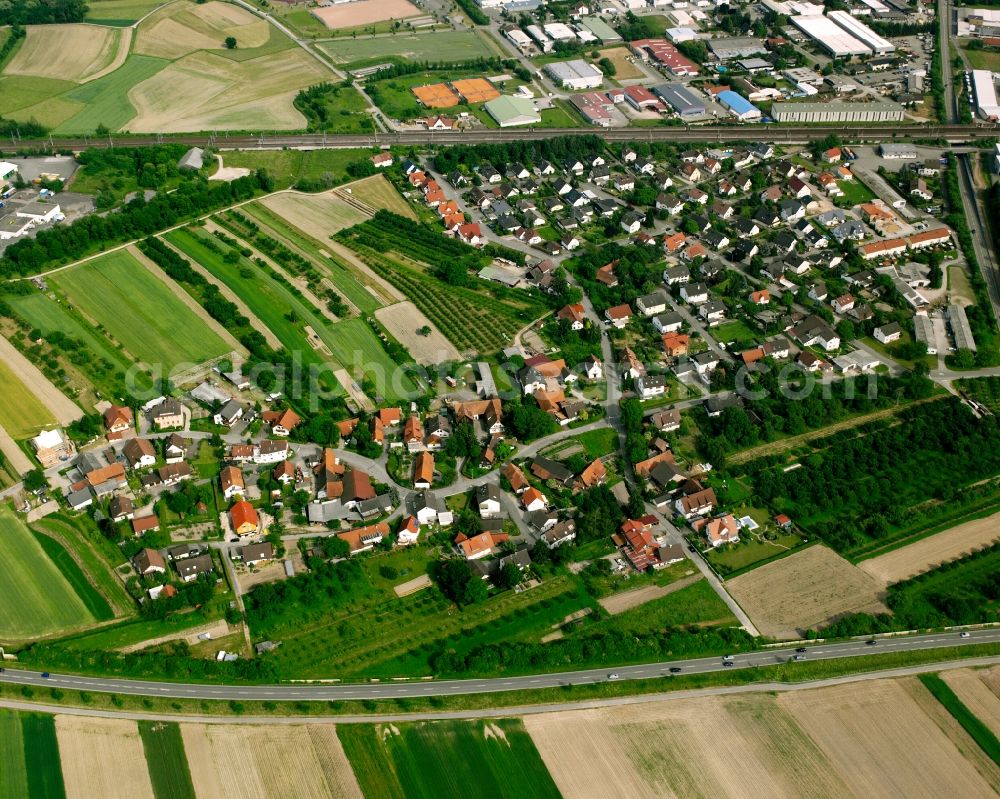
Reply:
x=191 y=568
x=192 y=159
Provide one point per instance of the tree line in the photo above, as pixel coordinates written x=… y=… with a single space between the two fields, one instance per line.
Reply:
x=41 y=12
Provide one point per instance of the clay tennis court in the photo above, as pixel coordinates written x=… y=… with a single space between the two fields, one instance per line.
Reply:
x=364 y=12
x=435 y=95
x=475 y=90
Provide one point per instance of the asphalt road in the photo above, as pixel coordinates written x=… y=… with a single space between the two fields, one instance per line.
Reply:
x=418 y=688
x=705 y=133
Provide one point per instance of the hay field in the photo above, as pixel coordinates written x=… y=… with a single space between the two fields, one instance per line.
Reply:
x=206 y=91
x=35 y=598
x=21 y=413
x=182 y=28
x=403 y=320
x=892 y=738
x=979 y=691
x=807 y=589
x=378 y=192
x=140 y=311
x=102 y=757
x=317 y=215
x=923 y=555
x=76 y=52
x=364 y=12
x=260 y=762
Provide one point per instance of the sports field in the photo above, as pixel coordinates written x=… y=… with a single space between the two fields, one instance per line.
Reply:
x=443 y=759
x=21 y=413
x=35 y=598
x=139 y=311
x=443 y=45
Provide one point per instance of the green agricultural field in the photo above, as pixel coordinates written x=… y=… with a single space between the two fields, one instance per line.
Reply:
x=168 y=766
x=21 y=413
x=127 y=633
x=98 y=555
x=25 y=91
x=105 y=100
x=140 y=311
x=442 y=759
x=119 y=12
x=270 y=300
x=287 y=167
x=444 y=45
x=13 y=772
x=96 y=604
x=357 y=347
x=41 y=757
x=35 y=598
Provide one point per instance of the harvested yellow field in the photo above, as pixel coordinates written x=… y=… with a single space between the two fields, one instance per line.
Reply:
x=892 y=738
x=306 y=762
x=403 y=320
x=806 y=590
x=973 y=687
x=78 y=53
x=318 y=215
x=181 y=28
x=675 y=749
x=923 y=555
x=102 y=757
x=625 y=69
x=364 y=12
x=378 y=192
x=204 y=91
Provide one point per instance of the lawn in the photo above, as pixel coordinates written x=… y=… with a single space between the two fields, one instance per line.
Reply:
x=140 y=311
x=983 y=59
x=128 y=633
x=356 y=346
x=443 y=45
x=106 y=99
x=559 y=117
x=42 y=763
x=96 y=604
x=287 y=167
x=13 y=772
x=735 y=331
x=21 y=413
x=750 y=552
x=168 y=766
x=855 y=192
x=597 y=443
x=35 y=598
x=442 y=759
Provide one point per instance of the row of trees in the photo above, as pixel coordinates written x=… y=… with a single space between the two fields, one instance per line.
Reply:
x=41 y=12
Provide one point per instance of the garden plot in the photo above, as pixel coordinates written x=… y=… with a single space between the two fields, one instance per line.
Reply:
x=805 y=590
x=102 y=757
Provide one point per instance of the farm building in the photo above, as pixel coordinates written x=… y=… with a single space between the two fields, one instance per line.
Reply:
x=512 y=111
x=576 y=74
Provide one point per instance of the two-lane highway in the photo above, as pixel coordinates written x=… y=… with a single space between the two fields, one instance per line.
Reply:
x=410 y=689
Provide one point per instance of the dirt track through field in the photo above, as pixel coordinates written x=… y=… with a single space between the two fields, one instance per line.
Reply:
x=102 y=758
x=187 y=299
x=306 y=762
x=232 y=296
x=38 y=384
x=920 y=556
x=626 y=600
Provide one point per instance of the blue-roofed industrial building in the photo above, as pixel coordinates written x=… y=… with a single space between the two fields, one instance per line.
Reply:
x=681 y=99
x=738 y=106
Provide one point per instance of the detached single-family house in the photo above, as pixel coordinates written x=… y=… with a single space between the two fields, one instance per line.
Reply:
x=888 y=333
x=232 y=482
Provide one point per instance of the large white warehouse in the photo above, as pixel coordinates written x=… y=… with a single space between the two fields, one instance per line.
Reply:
x=862 y=32
x=830 y=36
x=986 y=94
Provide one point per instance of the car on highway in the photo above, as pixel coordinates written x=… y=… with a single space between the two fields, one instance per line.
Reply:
x=45 y=675
x=964 y=635
x=798 y=657
x=727 y=657
x=613 y=675
x=871 y=642
x=675 y=669
x=727 y=663
x=801 y=649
